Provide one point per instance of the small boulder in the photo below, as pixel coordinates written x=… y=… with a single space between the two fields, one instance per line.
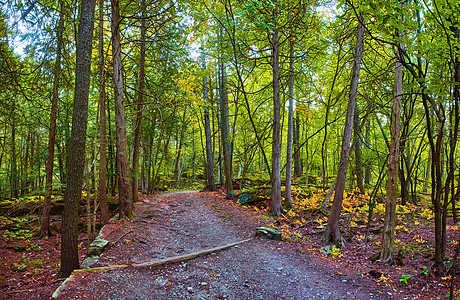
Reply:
x=268 y=232
x=97 y=247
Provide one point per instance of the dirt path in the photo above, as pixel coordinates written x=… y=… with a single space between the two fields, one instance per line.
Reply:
x=180 y=223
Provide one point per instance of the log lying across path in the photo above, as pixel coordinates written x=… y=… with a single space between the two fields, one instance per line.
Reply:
x=161 y=261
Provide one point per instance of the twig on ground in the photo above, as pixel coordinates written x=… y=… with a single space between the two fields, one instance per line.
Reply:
x=122 y=236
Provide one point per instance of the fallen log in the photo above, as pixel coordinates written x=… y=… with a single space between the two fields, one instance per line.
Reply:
x=160 y=261
x=187 y=256
x=98 y=269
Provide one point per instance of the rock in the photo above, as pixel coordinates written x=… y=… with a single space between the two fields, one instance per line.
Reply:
x=268 y=232
x=97 y=247
x=88 y=262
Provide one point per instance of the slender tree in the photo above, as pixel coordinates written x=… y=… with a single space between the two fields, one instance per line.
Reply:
x=225 y=127
x=124 y=184
x=76 y=157
x=207 y=130
x=102 y=187
x=287 y=192
x=140 y=100
x=45 y=214
x=332 y=233
x=357 y=150
x=276 y=147
x=389 y=224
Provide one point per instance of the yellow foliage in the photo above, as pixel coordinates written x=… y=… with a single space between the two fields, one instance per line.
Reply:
x=427 y=213
x=291 y=213
x=402 y=228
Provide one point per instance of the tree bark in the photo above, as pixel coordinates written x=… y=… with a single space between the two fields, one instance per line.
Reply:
x=296 y=142
x=225 y=129
x=25 y=168
x=207 y=130
x=276 y=147
x=332 y=233
x=287 y=192
x=76 y=158
x=357 y=149
x=140 y=100
x=393 y=167
x=124 y=183
x=14 y=166
x=102 y=187
x=367 y=172
x=44 y=230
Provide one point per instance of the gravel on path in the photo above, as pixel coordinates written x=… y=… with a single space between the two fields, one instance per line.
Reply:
x=180 y=223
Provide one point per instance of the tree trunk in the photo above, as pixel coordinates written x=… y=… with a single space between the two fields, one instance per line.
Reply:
x=332 y=233
x=44 y=230
x=179 y=148
x=225 y=128
x=367 y=172
x=140 y=100
x=357 y=149
x=456 y=97
x=124 y=183
x=276 y=147
x=76 y=157
x=25 y=170
x=393 y=167
x=287 y=192
x=296 y=142
x=102 y=188
x=14 y=166
x=207 y=130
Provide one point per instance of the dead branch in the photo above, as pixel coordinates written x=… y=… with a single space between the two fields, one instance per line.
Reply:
x=122 y=236
x=160 y=261
x=187 y=256
x=98 y=269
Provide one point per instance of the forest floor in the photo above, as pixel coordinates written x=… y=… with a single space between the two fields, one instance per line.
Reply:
x=181 y=223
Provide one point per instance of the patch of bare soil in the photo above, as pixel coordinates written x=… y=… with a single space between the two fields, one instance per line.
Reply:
x=177 y=224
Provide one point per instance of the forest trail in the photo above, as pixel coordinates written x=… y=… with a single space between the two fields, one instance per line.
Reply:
x=179 y=223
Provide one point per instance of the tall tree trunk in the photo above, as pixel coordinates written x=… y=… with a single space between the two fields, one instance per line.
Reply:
x=389 y=224
x=25 y=170
x=225 y=128
x=111 y=160
x=44 y=230
x=332 y=233
x=179 y=148
x=357 y=149
x=276 y=147
x=296 y=142
x=124 y=183
x=287 y=192
x=140 y=100
x=367 y=172
x=76 y=157
x=102 y=188
x=207 y=130
x=32 y=158
x=14 y=166
x=456 y=96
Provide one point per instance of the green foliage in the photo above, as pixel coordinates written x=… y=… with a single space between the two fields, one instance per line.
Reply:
x=404 y=279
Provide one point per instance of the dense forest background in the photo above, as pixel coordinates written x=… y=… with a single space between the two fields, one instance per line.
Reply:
x=356 y=95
